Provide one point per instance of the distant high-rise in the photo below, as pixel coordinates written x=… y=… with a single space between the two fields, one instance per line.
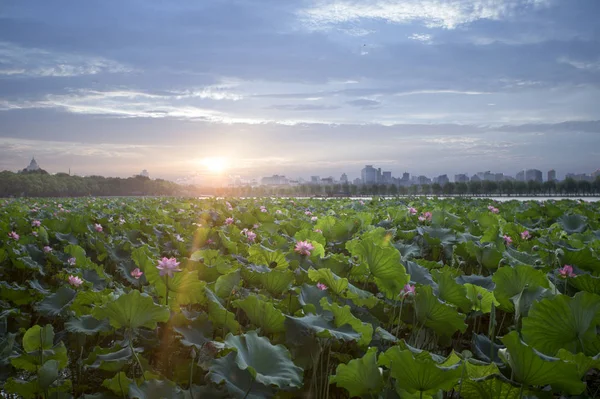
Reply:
x=275 y=180
x=344 y=178
x=520 y=176
x=442 y=180
x=315 y=180
x=533 y=174
x=386 y=177
x=551 y=175
x=461 y=178
x=405 y=176
x=369 y=174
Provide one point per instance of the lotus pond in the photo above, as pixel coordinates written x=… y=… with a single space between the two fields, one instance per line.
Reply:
x=400 y=298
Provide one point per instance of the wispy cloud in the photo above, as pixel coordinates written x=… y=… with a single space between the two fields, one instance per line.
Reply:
x=593 y=65
x=23 y=61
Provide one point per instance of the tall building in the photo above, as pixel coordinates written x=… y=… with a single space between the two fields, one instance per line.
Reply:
x=499 y=176
x=145 y=173
x=442 y=180
x=344 y=178
x=386 y=177
x=33 y=166
x=551 y=175
x=275 y=180
x=315 y=180
x=461 y=178
x=520 y=176
x=533 y=174
x=369 y=174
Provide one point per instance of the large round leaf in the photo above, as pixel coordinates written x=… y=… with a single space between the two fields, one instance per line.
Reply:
x=361 y=377
x=533 y=368
x=87 y=325
x=133 y=310
x=269 y=364
x=343 y=315
x=510 y=281
x=573 y=223
x=444 y=319
x=239 y=383
x=55 y=303
x=564 y=323
x=262 y=314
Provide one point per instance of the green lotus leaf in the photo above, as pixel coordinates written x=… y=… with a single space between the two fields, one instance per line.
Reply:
x=269 y=364
x=586 y=282
x=218 y=314
x=109 y=359
x=343 y=315
x=155 y=389
x=320 y=326
x=264 y=256
x=38 y=338
x=408 y=251
x=484 y=304
x=584 y=259
x=526 y=298
x=310 y=298
x=277 y=281
x=564 y=323
x=419 y=373
x=55 y=303
x=23 y=389
x=132 y=310
x=450 y=291
x=47 y=374
x=491 y=387
x=360 y=377
x=485 y=349
x=510 y=281
x=226 y=283
x=514 y=257
x=262 y=314
x=573 y=223
x=196 y=332
x=472 y=368
x=419 y=274
x=310 y=235
x=239 y=383
x=444 y=319
x=15 y=293
x=341 y=287
x=119 y=384
x=87 y=325
x=584 y=363
x=186 y=288
x=36 y=341
x=533 y=368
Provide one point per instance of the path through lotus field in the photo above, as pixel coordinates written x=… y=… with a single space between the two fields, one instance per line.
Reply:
x=261 y=298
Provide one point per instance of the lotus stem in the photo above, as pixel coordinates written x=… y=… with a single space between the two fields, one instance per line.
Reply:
x=249 y=388
x=399 y=318
x=137 y=359
x=167 y=290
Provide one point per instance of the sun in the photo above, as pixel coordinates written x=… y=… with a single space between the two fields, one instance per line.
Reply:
x=215 y=165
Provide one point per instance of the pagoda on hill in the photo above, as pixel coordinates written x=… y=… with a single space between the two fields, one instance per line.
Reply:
x=33 y=168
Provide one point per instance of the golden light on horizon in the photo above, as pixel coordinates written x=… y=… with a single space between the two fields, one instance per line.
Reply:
x=215 y=164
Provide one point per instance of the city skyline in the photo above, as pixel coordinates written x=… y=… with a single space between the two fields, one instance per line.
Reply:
x=313 y=86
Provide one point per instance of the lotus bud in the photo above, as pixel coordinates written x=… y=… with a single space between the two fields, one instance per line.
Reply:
x=479 y=296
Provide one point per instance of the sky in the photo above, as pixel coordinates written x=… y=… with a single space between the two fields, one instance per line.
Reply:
x=299 y=87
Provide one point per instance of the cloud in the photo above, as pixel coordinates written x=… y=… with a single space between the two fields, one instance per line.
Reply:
x=364 y=103
x=421 y=37
x=304 y=107
x=447 y=14
x=34 y=62
x=592 y=66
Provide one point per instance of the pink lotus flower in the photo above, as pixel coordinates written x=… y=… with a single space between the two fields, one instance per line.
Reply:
x=136 y=273
x=408 y=290
x=321 y=286
x=210 y=241
x=13 y=235
x=304 y=248
x=507 y=239
x=314 y=219
x=251 y=236
x=121 y=221
x=413 y=211
x=34 y=233
x=255 y=226
x=566 y=271
x=308 y=213
x=244 y=231
x=426 y=216
x=47 y=249
x=168 y=266
x=72 y=261
x=493 y=209
x=75 y=281
x=98 y=227
x=229 y=207
x=229 y=221
x=36 y=223
x=361 y=202
x=525 y=235
x=278 y=211
x=318 y=231
x=263 y=209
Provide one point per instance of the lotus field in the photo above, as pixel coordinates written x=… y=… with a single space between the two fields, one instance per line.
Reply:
x=279 y=298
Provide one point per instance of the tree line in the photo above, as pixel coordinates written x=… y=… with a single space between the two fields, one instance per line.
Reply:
x=42 y=184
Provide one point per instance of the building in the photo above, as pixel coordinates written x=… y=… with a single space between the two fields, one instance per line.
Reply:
x=442 y=180
x=533 y=174
x=579 y=177
x=520 y=176
x=386 y=177
x=145 y=173
x=327 y=180
x=33 y=166
x=461 y=178
x=475 y=178
x=344 y=179
x=275 y=180
x=369 y=175
x=499 y=177
x=357 y=181
x=315 y=179
x=551 y=175
x=421 y=180
x=596 y=174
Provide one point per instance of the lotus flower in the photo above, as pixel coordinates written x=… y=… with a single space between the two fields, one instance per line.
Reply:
x=413 y=211
x=361 y=202
x=255 y=226
x=251 y=236
x=507 y=239
x=121 y=221
x=210 y=241
x=321 y=286
x=75 y=281
x=408 y=290
x=426 y=216
x=314 y=219
x=308 y=213
x=168 y=266
x=71 y=261
x=34 y=233
x=229 y=221
x=278 y=211
x=98 y=227
x=47 y=249
x=13 y=235
x=304 y=248
x=493 y=209
x=525 y=235
x=136 y=273
x=318 y=231
x=566 y=271
x=36 y=223
x=263 y=209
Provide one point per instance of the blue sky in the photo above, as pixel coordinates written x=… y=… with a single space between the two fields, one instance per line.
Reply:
x=300 y=87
